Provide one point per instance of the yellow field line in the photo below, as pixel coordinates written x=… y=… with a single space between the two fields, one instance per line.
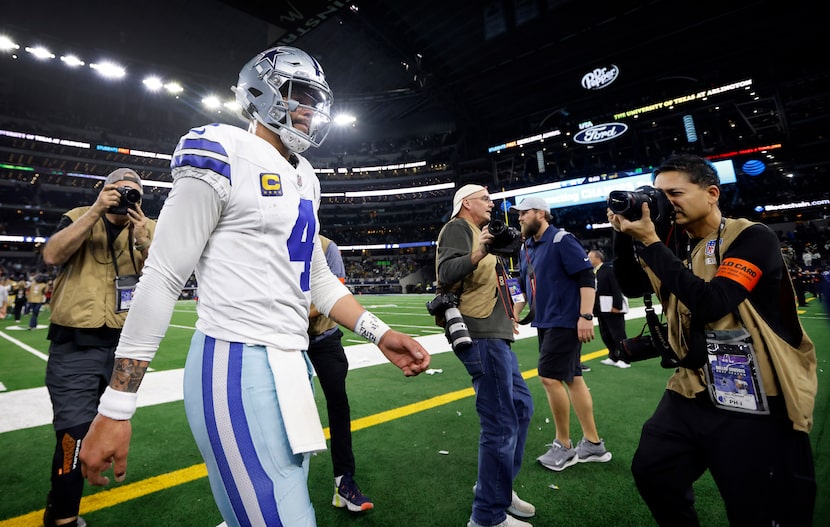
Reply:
x=131 y=491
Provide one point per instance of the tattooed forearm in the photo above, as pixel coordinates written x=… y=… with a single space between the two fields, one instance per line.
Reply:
x=127 y=375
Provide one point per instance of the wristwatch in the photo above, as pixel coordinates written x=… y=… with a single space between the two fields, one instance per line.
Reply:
x=587 y=316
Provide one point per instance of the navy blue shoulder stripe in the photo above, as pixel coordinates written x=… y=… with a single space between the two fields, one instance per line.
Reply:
x=202 y=153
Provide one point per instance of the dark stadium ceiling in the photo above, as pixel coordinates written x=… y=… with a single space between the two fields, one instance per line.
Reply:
x=499 y=69
x=487 y=71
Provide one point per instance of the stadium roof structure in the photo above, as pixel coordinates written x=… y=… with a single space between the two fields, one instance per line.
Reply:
x=485 y=73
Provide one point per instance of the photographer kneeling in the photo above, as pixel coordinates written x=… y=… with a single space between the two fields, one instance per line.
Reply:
x=474 y=278
x=740 y=402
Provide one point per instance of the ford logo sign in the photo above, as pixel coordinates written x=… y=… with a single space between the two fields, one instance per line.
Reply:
x=600 y=78
x=600 y=133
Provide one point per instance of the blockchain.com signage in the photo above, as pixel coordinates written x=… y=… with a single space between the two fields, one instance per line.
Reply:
x=600 y=78
x=600 y=133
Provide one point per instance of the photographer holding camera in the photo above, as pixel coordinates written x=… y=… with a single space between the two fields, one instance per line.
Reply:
x=731 y=313
x=101 y=250
x=465 y=267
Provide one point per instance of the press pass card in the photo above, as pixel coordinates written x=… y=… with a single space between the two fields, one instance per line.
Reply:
x=733 y=382
x=515 y=290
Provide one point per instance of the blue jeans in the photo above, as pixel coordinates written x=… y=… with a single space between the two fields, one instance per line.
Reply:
x=34 y=308
x=504 y=406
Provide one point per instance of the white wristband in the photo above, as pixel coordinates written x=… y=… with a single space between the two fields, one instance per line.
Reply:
x=117 y=405
x=370 y=327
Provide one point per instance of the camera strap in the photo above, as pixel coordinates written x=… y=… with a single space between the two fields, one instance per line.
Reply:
x=531 y=278
x=124 y=285
x=659 y=335
x=696 y=356
x=504 y=289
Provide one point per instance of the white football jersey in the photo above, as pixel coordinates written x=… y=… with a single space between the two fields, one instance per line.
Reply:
x=249 y=230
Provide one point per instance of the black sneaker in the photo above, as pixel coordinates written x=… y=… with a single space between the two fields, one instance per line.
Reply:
x=48 y=521
x=348 y=495
x=584 y=366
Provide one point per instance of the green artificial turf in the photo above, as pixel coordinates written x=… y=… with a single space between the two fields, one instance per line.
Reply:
x=418 y=468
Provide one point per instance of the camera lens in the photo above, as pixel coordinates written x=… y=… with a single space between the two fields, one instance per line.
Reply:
x=130 y=195
x=457 y=332
x=619 y=201
x=626 y=203
x=496 y=227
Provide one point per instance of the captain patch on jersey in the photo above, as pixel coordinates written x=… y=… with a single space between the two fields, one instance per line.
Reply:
x=270 y=184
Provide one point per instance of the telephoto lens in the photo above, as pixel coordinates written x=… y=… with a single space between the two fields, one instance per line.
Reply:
x=457 y=332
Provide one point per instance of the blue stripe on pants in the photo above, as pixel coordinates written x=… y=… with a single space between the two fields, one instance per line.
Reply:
x=232 y=408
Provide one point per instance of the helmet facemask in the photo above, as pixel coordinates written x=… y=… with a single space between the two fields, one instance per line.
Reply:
x=283 y=80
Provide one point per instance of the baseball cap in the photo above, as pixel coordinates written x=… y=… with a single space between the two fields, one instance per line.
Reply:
x=121 y=174
x=532 y=202
x=460 y=194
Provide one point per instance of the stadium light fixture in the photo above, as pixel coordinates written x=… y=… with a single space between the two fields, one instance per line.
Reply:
x=7 y=44
x=232 y=105
x=173 y=88
x=40 y=52
x=212 y=102
x=153 y=83
x=109 y=70
x=72 y=61
x=344 y=119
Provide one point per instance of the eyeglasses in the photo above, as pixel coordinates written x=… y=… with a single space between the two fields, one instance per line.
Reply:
x=484 y=198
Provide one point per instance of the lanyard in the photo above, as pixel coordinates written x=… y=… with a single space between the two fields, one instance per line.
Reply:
x=717 y=246
x=115 y=259
x=531 y=276
x=503 y=289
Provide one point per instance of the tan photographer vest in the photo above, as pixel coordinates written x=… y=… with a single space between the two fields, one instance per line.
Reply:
x=84 y=290
x=784 y=370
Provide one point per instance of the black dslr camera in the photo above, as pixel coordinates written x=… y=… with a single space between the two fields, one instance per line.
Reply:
x=648 y=346
x=444 y=308
x=629 y=204
x=129 y=198
x=635 y=349
x=506 y=240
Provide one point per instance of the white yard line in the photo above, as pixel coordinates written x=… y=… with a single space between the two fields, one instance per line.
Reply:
x=24 y=346
x=30 y=408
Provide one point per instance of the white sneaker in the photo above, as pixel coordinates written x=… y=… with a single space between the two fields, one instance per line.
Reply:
x=622 y=364
x=518 y=507
x=521 y=508
x=608 y=362
x=509 y=521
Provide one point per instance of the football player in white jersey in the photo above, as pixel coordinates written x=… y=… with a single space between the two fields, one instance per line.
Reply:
x=243 y=213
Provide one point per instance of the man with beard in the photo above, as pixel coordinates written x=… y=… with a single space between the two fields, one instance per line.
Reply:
x=558 y=278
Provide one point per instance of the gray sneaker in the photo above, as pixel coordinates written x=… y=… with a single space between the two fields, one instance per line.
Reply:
x=587 y=452
x=558 y=457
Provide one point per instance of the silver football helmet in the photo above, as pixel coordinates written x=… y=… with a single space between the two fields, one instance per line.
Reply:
x=283 y=80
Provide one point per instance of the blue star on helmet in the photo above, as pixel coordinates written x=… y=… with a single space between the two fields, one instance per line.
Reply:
x=271 y=56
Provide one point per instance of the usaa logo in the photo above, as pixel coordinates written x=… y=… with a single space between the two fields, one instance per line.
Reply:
x=270 y=184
